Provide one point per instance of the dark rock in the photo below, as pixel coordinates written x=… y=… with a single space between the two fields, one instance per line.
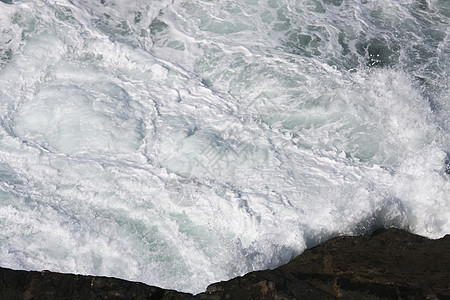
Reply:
x=29 y=285
x=390 y=264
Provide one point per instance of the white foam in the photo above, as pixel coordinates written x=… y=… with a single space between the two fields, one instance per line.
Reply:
x=159 y=144
x=71 y=119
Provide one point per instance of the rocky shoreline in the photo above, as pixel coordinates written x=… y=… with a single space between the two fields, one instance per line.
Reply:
x=389 y=264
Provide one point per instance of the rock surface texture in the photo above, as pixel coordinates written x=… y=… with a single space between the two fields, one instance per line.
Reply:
x=390 y=264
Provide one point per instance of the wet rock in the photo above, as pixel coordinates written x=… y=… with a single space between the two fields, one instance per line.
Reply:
x=29 y=285
x=389 y=264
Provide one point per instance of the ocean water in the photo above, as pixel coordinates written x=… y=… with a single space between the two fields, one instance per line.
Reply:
x=183 y=142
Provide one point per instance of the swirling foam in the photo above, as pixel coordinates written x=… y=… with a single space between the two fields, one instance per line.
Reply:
x=181 y=143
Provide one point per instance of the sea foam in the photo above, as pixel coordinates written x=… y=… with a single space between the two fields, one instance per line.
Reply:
x=180 y=143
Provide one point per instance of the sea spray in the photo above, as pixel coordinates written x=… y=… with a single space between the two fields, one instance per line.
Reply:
x=180 y=143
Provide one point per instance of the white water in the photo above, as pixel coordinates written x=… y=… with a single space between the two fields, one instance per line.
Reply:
x=179 y=143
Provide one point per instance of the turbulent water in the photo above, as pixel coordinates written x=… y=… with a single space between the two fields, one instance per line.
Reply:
x=183 y=142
